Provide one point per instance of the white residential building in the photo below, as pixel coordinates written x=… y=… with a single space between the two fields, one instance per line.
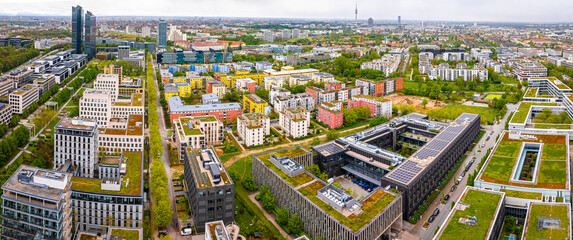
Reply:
x=388 y=63
x=451 y=74
x=295 y=121
x=303 y=100
x=276 y=92
x=274 y=81
x=76 y=143
x=197 y=132
x=122 y=134
x=253 y=127
x=21 y=98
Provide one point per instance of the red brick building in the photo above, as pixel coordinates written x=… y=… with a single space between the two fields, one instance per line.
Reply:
x=330 y=113
x=314 y=92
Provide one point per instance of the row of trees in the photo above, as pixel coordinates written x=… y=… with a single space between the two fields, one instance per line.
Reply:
x=161 y=208
x=290 y=223
x=355 y=115
x=547 y=116
x=10 y=144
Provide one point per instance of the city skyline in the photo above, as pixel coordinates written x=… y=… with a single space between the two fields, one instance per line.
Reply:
x=528 y=11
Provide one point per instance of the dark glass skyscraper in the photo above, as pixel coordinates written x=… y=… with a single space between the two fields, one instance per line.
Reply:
x=91 y=33
x=77 y=27
x=162 y=34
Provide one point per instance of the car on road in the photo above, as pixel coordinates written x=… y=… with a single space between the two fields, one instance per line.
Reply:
x=436 y=212
x=482 y=145
x=186 y=232
x=447 y=197
x=176 y=184
x=463 y=174
x=457 y=182
x=431 y=219
x=453 y=188
x=460 y=178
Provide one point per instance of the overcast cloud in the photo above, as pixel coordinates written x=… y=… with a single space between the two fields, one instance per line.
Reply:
x=445 y=10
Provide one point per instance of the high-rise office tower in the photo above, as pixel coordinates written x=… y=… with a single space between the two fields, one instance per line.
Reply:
x=77 y=28
x=91 y=33
x=370 y=22
x=162 y=34
x=400 y=22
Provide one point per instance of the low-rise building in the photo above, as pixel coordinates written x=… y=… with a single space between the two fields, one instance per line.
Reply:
x=245 y=85
x=298 y=79
x=6 y=85
x=523 y=69
x=379 y=107
x=253 y=127
x=216 y=87
x=303 y=100
x=380 y=88
x=270 y=82
x=330 y=113
x=446 y=73
x=210 y=188
x=21 y=98
x=21 y=77
x=210 y=98
x=295 y=121
x=5 y=113
x=197 y=132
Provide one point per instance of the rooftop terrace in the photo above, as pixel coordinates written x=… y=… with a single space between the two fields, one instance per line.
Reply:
x=537 y=212
x=133 y=175
x=208 y=169
x=136 y=101
x=134 y=127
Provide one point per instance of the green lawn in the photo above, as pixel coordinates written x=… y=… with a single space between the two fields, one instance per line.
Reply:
x=499 y=168
x=542 y=210
x=226 y=156
x=412 y=84
x=518 y=194
x=523 y=110
x=482 y=205
x=549 y=126
x=491 y=96
x=508 y=149
x=552 y=172
x=452 y=111
x=554 y=152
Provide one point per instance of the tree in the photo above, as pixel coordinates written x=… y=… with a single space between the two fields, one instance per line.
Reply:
x=377 y=121
x=331 y=136
x=162 y=212
x=295 y=225
x=249 y=183
x=425 y=102
x=268 y=202
x=166 y=237
x=282 y=217
x=315 y=141
x=262 y=93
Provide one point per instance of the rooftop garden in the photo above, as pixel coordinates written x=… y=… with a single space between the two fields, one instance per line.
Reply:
x=371 y=206
x=550 y=126
x=552 y=168
x=126 y=234
x=133 y=173
x=523 y=110
x=190 y=131
x=482 y=205
x=519 y=194
x=531 y=92
x=293 y=152
x=545 y=210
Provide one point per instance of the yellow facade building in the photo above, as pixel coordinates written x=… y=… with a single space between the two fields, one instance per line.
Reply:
x=253 y=103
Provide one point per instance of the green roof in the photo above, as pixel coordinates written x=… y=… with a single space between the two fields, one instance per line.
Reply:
x=531 y=92
x=288 y=152
x=560 y=211
x=133 y=173
x=482 y=205
x=520 y=115
x=552 y=172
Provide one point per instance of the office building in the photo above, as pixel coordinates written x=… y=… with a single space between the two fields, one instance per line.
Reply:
x=77 y=28
x=523 y=69
x=197 y=132
x=96 y=105
x=162 y=34
x=20 y=77
x=21 y=98
x=225 y=112
x=210 y=188
x=76 y=143
x=6 y=85
x=36 y=205
x=122 y=52
x=108 y=82
x=326 y=211
x=91 y=35
x=253 y=127
x=122 y=134
x=44 y=83
x=114 y=69
x=5 y=114
x=379 y=107
x=295 y=121
x=192 y=57
x=330 y=113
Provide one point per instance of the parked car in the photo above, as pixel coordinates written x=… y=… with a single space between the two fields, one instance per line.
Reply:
x=436 y=212
x=447 y=197
x=460 y=178
x=431 y=219
x=453 y=188
x=186 y=232
x=457 y=182
x=463 y=174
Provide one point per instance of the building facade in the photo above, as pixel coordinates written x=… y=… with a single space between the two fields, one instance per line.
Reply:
x=21 y=98
x=330 y=113
x=379 y=107
x=76 y=142
x=295 y=121
x=253 y=127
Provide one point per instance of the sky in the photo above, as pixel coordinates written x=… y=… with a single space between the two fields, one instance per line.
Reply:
x=530 y=11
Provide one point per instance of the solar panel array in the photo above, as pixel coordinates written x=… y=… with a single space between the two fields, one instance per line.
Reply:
x=330 y=148
x=200 y=176
x=409 y=169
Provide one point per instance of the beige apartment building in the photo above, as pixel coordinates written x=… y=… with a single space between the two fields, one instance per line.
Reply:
x=122 y=134
x=197 y=132
x=253 y=127
x=22 y=98
x=295 y=121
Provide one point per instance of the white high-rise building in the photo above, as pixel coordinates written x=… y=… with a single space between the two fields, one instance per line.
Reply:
x=268 y=36
x=109 y=82
x=76 y=143
x=95 y=104
x=286 y=34
x=296 y=33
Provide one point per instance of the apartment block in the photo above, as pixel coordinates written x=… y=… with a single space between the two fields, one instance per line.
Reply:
x=6 y=85
x=288 y=71
x=210 y=188
x=122 y=134
x=322 y=77
x=108 y=82
x=36 y=205
x=253 y=127
x=230 y=79
x=446 y=73
x=254 y=104
x=275 y=92
x=225 y=112
x=245 y=85
x=379 y=107
x=387 y=64
x=197 y=132
x=303 y=100
x=298 y=79
x=330 y=113
x=380 y=88
x=21 y=98
x=274 y=81
x=523 y=69
x=295 y=121
x=76 y=143
x=216 y=87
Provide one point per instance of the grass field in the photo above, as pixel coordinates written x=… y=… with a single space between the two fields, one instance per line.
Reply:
x=542 y=210
x=482 y=205
x=518 y=194
x=554 y=152
x=452 y=111
x=499 y=168
x=508 y=149
x=552 y=172
x=491 y=96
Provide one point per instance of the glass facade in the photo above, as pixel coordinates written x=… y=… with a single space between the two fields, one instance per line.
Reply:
x=77 y=27
x=91 y=33
x=162 y=34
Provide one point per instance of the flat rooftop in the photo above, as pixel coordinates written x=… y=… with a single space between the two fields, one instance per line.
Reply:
x=379 y=99
x=134 y=126
x=552 y=172
x=522 y=112
x=207 y=168
x=133 y=161
x=135 y=101
x=46 y=191
x=77 y=123
x=539 y=213
x=481 y=204
x=308 y=185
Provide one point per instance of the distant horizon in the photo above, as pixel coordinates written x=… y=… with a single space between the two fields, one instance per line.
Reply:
x=486 y=11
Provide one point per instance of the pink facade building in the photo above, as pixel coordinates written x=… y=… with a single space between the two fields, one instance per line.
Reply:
x=330 y=113
x=378 y=106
